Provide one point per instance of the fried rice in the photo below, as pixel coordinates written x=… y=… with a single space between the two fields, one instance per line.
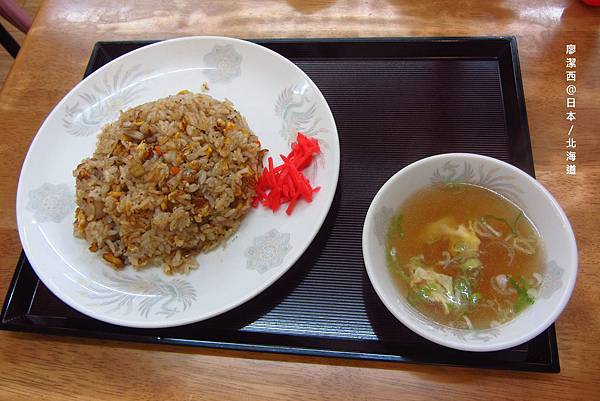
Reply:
x=168 y=179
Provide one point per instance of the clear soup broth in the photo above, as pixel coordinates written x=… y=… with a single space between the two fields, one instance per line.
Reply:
x=464 y=256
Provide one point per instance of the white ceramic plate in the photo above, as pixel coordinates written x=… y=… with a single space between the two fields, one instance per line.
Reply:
x=276 y=98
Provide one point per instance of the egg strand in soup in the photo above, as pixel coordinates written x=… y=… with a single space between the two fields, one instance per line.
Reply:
x=464 y=256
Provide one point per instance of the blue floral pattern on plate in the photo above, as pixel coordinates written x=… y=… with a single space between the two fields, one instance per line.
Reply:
x=96 y=108
x=50 y=202
x=224 y=63
x=146 y=295
x=268 y=251
x=298 y=113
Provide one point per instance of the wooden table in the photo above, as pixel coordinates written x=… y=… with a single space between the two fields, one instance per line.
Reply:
x=52 y=61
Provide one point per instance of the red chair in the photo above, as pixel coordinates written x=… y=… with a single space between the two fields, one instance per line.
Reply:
x=14 y=14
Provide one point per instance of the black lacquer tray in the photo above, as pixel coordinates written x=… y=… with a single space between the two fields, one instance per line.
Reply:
x=394 y=101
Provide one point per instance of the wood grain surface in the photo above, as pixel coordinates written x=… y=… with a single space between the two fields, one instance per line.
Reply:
x=52 y=61
x=31 y=7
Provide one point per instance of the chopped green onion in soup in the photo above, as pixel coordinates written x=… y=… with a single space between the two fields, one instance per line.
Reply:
x=464 y=256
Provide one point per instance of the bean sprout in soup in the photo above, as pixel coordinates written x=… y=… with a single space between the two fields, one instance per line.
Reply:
x=464 y=256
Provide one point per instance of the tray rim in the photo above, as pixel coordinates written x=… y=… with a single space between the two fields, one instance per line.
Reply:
x=20 y=323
